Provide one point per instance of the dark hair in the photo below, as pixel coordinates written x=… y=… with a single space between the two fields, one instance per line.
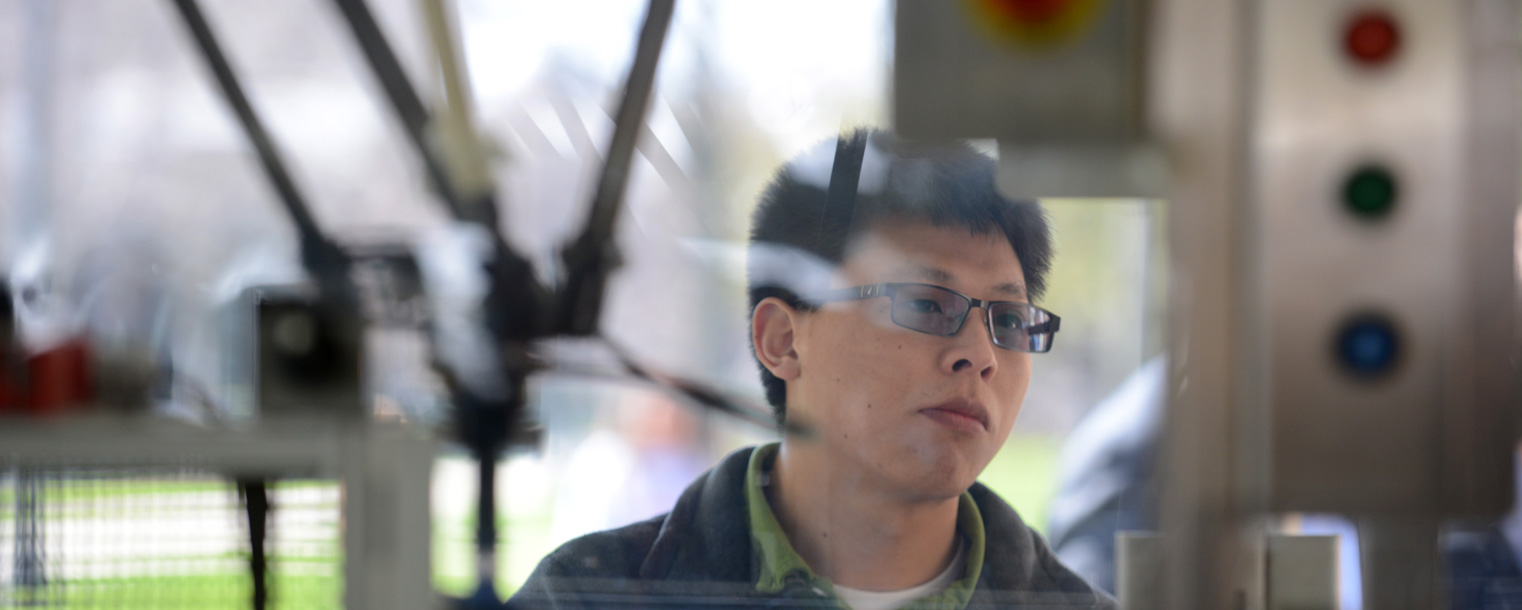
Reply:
x=945 y=185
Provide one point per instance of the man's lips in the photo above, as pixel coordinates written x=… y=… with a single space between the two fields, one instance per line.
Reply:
x=962 y=409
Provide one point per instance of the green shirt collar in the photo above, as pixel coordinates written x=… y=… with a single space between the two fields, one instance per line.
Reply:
x=778 y=562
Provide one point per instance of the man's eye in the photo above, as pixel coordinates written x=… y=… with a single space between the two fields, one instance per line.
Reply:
x=1007 y=320
x=924 y=306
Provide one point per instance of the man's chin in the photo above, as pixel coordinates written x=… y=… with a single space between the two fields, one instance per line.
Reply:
x=935 y=472
x=938 y=493
x=942 y=484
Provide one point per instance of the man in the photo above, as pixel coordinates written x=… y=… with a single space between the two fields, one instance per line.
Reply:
x=891 y=288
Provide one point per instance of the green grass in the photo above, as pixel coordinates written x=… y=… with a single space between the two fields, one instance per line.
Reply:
x=67 y=490
x=1025 y=475
x=208 y=592
x=85 y=498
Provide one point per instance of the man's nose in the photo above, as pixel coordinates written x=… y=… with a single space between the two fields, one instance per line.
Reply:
x=972 y=348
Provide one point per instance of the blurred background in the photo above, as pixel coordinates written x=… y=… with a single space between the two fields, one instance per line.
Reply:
x=133 y=208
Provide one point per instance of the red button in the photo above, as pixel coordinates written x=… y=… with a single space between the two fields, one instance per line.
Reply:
x=1372 y=37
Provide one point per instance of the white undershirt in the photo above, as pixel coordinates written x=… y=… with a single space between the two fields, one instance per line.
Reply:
x=858 y=599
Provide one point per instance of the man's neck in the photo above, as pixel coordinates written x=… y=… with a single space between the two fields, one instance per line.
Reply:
x=853 y=532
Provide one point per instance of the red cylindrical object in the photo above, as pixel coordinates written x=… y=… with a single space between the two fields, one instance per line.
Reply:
x=59 y=377
x=12 y=380
x=11 y=397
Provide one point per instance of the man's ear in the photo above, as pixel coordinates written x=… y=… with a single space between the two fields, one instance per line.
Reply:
x=772 y=332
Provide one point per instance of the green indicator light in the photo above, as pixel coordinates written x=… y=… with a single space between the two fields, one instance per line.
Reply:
x=1370 y=193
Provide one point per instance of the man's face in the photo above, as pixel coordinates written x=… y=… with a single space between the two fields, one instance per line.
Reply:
x=911 y=413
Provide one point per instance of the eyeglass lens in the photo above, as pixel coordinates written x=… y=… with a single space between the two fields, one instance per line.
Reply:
x=929 y=309
x=1012 y=325
x=941 y=312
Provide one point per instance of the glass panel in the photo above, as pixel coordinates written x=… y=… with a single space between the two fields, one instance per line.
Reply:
x=158 y=218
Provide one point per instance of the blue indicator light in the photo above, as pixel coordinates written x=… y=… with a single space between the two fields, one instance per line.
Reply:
x=1368 y=346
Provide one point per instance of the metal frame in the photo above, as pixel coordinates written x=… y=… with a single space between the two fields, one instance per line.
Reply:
x=385 y=472
x=1237 y=435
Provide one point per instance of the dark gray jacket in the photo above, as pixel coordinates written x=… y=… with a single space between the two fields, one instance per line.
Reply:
x=699 y=555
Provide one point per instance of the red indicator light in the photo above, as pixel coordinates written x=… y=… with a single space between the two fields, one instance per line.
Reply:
x=1372 y=37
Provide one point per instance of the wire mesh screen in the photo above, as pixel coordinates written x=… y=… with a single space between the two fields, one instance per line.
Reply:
x=162 y=538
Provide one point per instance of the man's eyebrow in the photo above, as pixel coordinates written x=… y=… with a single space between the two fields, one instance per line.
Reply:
x=934 y=274
x=931 y=274
x=1013 y=289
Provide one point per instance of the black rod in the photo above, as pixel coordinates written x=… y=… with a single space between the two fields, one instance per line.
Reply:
x=486 y=502
x=256 y=504
x=593 y=255
x=317 y=251
x=840 y=200
x=484 y=426
x=630 y=120
x=515 y=300
x=410 y=110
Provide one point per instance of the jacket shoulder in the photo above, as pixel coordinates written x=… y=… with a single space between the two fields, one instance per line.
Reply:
x=610 y=553
x=701 y=539
x=600 y=563
x=1019 y=568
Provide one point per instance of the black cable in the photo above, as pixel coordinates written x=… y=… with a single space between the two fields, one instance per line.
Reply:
x=593 y=255
x=319 y=255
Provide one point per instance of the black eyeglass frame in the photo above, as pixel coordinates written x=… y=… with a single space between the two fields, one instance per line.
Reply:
x=890 y=290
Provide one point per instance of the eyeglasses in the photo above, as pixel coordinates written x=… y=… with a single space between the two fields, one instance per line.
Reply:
x=941 y=311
